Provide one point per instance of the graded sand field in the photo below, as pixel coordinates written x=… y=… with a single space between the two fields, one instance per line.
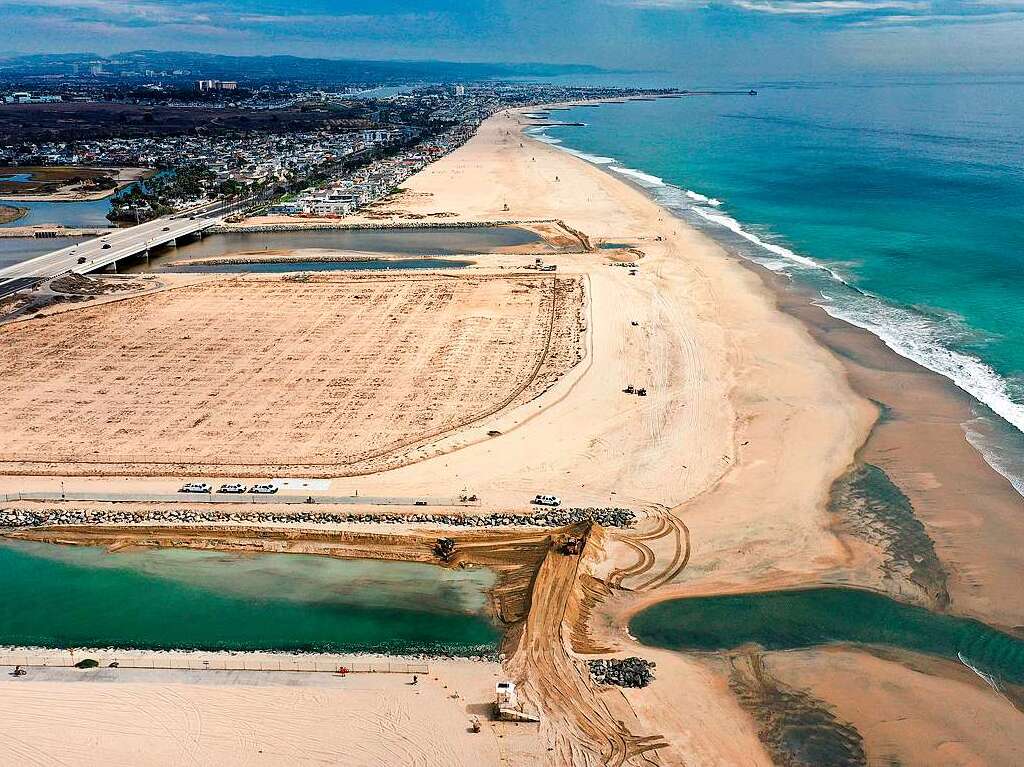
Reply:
x=330 y=373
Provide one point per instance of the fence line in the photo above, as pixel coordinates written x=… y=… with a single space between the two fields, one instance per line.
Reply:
x=213 y=662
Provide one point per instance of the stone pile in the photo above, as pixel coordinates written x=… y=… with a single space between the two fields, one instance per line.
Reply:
x=627 y=672
x=606 y=517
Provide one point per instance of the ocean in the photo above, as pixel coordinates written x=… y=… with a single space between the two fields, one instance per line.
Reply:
x=899 y=204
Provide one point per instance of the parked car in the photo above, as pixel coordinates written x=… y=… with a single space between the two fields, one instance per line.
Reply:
x=196 y=487
x=264 y=488
x=232 y=487
x=546 y=500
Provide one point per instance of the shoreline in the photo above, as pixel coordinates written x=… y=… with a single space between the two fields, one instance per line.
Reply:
x=906 y=448
x=733 y=458
x=736 y=240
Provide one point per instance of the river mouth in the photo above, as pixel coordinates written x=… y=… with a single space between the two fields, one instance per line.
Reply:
x=787 y=620
x=164 y=599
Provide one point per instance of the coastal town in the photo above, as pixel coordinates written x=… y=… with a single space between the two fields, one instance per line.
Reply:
x=360 y=151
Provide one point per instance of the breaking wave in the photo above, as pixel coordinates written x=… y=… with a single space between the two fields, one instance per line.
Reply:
x=927 y=340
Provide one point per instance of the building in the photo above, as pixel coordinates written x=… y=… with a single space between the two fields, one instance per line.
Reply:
x=376 y=136
x=216 y=85
x=24 y=97
x=460 y=90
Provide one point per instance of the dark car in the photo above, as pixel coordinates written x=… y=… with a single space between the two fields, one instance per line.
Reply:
x=106 y=245
x=81 y=259
x=167 y=228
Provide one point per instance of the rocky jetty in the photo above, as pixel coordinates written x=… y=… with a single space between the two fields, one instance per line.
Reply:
x=604 y=516
x=625 y=672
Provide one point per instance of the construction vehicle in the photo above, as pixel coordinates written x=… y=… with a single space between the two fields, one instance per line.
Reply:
x=507 y=705
x=630 y=389
x=571 y=546
x=444 y=548
x=641 y=392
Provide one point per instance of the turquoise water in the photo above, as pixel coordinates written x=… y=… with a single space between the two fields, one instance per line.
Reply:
x=899 y=204
x=798 y=619
x=63 y=596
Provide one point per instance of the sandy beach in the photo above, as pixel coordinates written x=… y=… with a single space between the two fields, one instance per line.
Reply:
x=146 y=717
x=752 y=414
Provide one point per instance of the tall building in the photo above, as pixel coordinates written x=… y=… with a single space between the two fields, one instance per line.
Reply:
x=216 y=85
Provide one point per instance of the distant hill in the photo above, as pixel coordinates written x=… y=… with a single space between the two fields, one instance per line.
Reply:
x=276 y=68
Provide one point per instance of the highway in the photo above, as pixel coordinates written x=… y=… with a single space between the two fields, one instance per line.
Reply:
x=98 y=253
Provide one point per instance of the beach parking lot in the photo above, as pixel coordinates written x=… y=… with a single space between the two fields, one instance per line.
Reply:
x=328 y=373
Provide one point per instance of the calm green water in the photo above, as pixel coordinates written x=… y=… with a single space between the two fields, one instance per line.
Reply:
x=788 y=620
x=64 y=596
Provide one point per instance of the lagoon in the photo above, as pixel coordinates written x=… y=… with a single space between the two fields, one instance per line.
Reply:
x=787 y=620
x=69 y=596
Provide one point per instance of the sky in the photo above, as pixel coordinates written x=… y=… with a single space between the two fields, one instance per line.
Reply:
x=706 y=40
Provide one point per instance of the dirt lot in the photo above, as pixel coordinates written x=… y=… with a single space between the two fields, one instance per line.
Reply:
x=330 y=375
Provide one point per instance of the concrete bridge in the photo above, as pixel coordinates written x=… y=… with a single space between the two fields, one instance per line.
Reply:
x=117 y=245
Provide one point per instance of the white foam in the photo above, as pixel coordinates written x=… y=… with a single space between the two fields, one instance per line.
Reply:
x=730 y=223
x=698 y=197
x=919 y=338
x=996 y=455
x=591 y=158
x=988 y=678
x=645 y=179
x=908 y=333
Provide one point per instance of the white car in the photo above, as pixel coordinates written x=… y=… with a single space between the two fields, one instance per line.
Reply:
x=546 y=500
x=232 y=487
x=264 y=488
x=196 y=487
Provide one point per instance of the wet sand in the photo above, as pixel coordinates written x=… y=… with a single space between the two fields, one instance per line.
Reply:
x=970 y=511
x=909 y=710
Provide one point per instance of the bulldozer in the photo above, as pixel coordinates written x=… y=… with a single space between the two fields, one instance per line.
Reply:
x=444 y=548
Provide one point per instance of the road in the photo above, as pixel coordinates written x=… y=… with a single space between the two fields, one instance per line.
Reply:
x=98 y=253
